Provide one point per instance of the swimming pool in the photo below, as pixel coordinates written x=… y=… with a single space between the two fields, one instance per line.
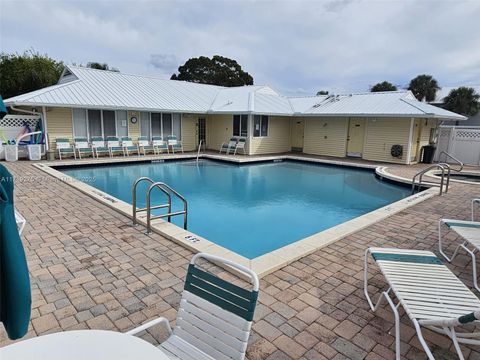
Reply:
x=256 y=208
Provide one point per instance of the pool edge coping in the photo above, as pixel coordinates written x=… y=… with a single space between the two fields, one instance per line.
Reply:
x=264 y=264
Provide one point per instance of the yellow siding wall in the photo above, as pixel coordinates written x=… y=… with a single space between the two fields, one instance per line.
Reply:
x=381 y=134
x=133 y=129
x=427 y=126
x=219 y=130
x=189 y=132
x=59 y=124
x=278 y=139
x=325 y=136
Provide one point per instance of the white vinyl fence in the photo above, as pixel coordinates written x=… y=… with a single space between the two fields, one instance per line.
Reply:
x=462 y=143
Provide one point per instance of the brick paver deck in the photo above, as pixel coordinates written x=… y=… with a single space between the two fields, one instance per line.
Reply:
x=91 y=269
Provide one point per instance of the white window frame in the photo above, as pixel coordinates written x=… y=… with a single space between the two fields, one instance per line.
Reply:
x=162 y=134
x=260 y=129
x=101 y=122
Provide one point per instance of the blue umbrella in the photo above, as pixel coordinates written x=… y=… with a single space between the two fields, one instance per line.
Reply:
x=3 y=109
x=15 y=294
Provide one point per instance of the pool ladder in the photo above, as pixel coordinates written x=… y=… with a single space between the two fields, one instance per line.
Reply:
x=445 y=168
x=168 y=191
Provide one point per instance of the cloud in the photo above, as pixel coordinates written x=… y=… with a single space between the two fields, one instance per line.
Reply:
x=295 y=46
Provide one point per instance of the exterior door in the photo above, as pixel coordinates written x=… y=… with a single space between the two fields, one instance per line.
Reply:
x=298 y=127
x=356 y=137
x=201 y=131
x=416 y=139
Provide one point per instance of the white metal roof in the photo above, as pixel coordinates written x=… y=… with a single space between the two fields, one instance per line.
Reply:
x=90 y=88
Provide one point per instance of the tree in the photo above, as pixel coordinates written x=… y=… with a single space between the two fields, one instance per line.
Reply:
x=463 y=100
x=322 y=92
x=383 y=86
x=22 y=73
x=101 y=66
x=218 y=70
x=424 y=87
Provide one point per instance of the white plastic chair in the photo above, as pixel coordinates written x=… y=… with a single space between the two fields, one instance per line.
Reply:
x=430 y=293
x=64 y=147
x=83 y=147
x=229 y=146
x=240 y=146
x=214 y=318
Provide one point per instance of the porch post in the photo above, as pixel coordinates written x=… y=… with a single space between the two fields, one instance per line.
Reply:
x=44 y=120
x=249 y=133
x=410 y=137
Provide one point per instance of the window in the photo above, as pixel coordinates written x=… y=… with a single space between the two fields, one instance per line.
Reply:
x=164 y=125
x=80 y=128
x=122 y=124
x=94 y=123
x=145 y=124
x=260 y=125
x=240 y=125
x=109 y=128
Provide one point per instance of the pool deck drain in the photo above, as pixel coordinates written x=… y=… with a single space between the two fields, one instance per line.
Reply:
x=266 y=263
x=91 y=269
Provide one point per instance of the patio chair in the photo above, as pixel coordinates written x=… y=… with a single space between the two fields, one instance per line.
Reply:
x=431 y=295
x=82 y=147
x=231 y=145
x=128 y=146
x=64 y=148
x=159 y=144
x=114 y=146
x=145 y=146
x=98 y=146
x=174 y=143
x=20 y=221
x=470 y=232
x=214 y=318
x=240 y=146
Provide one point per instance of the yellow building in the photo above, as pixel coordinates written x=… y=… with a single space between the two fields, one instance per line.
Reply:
x=388 y=127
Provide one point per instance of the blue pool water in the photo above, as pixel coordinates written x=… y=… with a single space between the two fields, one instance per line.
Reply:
x=253 y=209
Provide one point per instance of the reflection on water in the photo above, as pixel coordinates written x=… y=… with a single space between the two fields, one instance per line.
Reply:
x=253 y=209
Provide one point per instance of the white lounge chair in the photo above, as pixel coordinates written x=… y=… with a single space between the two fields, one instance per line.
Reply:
x=174 y=143
x=83 y=147
x=98 y=146
x=21 y=222
x=229 y=146
x=159 y=144
x=128 y=146
x=240 y=146
x=214 y=318
x=431 y=295
x=144 y=145
x=64 y=148
x=114 y=146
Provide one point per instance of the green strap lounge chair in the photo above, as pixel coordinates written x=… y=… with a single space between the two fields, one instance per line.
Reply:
x=114 y=146
x=64 y=148
x=469 y=231
x=215 y=316
x=144 y=146
x=98 y=146
x=159 y=144
x=431 y=295
x=229 y=146
x=16 y=298
x=128 y=146
x=82 y=147
x=240 y=146
x=174 y=143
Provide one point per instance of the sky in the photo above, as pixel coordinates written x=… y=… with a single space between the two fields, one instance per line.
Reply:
x=297 y=47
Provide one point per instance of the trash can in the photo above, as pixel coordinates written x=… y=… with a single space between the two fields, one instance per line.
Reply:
x=34 y=151
x=11 y=152
x=427 y=154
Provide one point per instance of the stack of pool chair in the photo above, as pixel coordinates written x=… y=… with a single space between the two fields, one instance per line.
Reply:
x=174 y=143
x=429 y=292
x=98 y=146
x=114 y=146
x=229 y=146
x=128 y=146
x=144 y=146
x=159 y=144
x=82 y=147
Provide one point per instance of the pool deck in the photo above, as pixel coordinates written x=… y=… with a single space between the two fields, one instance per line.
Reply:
x=91 y=269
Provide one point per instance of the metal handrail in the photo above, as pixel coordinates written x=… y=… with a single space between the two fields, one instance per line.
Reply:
x=199 y=148
x=441 y=166
x=166 y=190
x=447 y=155
x=134 y=198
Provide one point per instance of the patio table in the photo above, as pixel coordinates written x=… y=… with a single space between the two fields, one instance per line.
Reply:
x=83 y=345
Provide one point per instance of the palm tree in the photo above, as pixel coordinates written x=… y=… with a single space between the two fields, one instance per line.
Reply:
x=463 y=100
x=383 y=86
x=424 y=87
